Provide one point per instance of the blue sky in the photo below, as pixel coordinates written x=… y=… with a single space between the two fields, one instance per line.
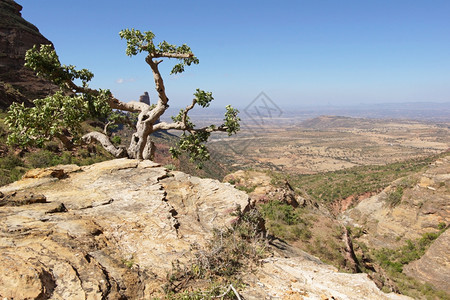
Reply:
x=302 y=53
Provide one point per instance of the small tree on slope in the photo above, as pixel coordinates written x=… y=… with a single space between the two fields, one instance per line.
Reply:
x=60 y=115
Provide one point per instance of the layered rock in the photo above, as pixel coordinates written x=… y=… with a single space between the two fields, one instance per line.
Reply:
x=305 y=277
x=434 y=266
x=17 y=83
x=424 y=207
x=113 y=229
x=107 y=230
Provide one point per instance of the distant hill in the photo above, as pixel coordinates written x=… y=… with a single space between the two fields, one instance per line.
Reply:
x=327 y=122
x=17 y=83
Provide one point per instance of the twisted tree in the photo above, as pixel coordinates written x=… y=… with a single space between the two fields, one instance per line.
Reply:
x=60 y=115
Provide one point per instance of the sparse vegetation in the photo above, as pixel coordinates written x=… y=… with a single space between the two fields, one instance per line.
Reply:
x=332 y=186
x=286 y=222
x=247 y=189
x=394 y=197
x=230 y=252
x=129 y=263
x=14 y=163
x=392 y=262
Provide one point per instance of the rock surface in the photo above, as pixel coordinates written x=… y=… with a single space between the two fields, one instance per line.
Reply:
x=17 y=83
x=424 y=205
x=261 y=189
x=113 y=229
x=434 y=266
x=305 y=277
x=117 y=214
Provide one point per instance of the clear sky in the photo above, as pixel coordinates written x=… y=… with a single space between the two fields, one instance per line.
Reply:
x=297 y=52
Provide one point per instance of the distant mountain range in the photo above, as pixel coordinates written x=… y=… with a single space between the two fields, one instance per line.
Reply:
x=431 y=111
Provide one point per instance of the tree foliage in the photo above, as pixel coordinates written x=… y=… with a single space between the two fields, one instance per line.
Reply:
x=60 y=115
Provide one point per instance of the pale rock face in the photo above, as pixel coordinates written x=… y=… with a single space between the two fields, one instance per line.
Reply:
x=424 y=206
x=113 y=229
x=434 y=266
x=305 y=277
x=116 y=211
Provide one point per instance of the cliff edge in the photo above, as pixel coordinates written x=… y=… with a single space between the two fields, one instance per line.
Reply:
x=112 y=230
x=17 y=83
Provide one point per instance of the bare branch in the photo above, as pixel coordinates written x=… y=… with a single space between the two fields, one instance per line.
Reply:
x=159 y=83
x=105 y=129
x=187 y=109
x=182 y=126
x=169 y=126
x=132 y=106
x=162 y=104
x=106 y=143
x=114 y=103
x=171 y=55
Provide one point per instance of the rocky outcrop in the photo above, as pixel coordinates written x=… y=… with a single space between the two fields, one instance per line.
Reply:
x=109 y=230
x=113 y=229
x=260 y=189
x=305 y=277
x=17 y=83
x=424 y=204
x=424 y=207
x=434 y=266
x=145 y=98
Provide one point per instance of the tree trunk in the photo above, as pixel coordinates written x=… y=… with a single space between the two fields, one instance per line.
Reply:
x=149 y=151
x=139 y=139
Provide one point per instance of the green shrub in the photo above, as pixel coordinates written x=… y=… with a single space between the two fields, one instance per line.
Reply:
x=10 y=161
x=393 y=261
x=170 y=167
x=442 y=226
x=11 y=169
x=247 y=189
x=42 y=159
x=394 y=197
x=280 y=212
x=116 y=140
x=336 y=185
x=286 y=222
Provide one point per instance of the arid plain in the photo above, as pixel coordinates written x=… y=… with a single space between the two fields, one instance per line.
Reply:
x=328 y=143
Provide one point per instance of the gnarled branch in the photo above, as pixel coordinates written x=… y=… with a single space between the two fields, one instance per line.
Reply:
x=171 y=55
x=114 y=103
x=105 y=142
x=183 y=126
